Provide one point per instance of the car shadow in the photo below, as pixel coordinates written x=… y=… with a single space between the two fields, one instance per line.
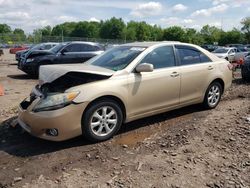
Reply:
x=15 y=141
x=14 y=64
x=161 y=118
x=22 y=77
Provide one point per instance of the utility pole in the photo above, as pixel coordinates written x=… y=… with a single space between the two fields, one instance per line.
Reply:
x=62 y=34
x=221 y=25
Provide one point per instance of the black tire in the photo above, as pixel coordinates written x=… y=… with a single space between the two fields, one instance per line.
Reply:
x=206 y=103
x=245 y=74
x=87 y=131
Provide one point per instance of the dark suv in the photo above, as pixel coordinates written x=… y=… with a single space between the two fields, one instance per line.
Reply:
x=245 y=69
x=63 y=53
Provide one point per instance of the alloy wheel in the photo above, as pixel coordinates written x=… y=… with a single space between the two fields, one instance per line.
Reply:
x=103 y=121
x=213 y=95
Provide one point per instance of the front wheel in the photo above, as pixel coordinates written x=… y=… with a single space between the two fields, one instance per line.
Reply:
x=102 y=120
x=213 y=95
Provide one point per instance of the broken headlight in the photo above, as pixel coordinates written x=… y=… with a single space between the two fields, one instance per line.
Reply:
x=55 y=101
x=29 y=60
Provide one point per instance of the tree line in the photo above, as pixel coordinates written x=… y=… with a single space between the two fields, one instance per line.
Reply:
x=116 y=28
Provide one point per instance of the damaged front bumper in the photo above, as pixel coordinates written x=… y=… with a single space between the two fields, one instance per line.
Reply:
x=66 y=121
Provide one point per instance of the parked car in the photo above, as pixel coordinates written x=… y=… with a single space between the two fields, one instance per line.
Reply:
x=209 y=47
x=123 y=84
x=42 y=46
x=245 y=69
x=18 y=48
x=247 y=47
x=230 y=54
x=64 y=53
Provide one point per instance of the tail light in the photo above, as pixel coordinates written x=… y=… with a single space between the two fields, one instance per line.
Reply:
x=240 y=61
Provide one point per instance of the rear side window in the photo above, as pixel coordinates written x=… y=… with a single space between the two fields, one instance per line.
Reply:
x=89 y=48
x=161 y=57
x=189 y=56
x=73 y=48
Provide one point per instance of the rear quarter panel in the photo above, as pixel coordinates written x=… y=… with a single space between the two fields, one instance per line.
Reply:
x=221 y=71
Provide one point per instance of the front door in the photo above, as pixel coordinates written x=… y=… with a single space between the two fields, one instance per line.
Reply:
x=150 y=92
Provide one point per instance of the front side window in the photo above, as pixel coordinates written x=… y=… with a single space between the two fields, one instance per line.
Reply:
x=161 y=57
x=117 y=58
x=47 y=47
x=58 y=47
x=189 y=56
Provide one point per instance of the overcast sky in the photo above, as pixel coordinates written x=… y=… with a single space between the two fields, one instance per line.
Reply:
x=31 y=14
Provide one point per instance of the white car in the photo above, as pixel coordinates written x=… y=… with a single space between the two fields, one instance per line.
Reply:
x=231 y=54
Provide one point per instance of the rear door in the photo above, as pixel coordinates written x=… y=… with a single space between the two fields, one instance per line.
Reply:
x=196 y=70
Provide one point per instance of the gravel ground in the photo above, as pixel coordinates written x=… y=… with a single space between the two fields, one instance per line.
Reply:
x=185 y=148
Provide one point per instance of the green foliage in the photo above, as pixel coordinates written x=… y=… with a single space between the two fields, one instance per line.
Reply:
x=46 y=31
x=233 y=36
x=112 y=29
x=192 y=36
x=86 y=29
x=246 y=28
x=210 y=34
x=64 y=29
x=141 y=31
x=115 y=28
x=4 y=28
x=174 y=33
x=20 y=35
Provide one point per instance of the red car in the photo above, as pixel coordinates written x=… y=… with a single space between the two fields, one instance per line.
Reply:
x=18 y=48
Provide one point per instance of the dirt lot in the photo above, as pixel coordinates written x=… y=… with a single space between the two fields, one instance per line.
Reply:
x=189 y=147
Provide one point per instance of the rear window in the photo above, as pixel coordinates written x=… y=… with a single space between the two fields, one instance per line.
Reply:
x=190 y=55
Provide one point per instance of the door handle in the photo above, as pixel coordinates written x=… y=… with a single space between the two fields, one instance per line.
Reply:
x=174 y=74
x=210 y=68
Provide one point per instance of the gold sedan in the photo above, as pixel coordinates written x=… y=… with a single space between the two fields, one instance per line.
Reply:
x=123 y=84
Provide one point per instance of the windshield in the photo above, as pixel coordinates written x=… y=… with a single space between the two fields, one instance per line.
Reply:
x=221 y=50
x=57 y=48
x=36 y=47
x=117 y=58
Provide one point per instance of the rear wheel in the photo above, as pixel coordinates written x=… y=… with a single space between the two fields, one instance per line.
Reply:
x=213 y=95
x=102 y=120
x=245 y=73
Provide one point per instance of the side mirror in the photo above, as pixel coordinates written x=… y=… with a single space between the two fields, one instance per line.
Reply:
x=144 y=67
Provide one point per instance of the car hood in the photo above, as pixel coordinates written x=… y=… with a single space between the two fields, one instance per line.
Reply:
x=50 y=73
x=22 y=51
x=35 y=53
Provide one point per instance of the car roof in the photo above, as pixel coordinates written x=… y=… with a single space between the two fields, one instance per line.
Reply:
x=83 y=42
x=50 y=43
x=148 y=44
